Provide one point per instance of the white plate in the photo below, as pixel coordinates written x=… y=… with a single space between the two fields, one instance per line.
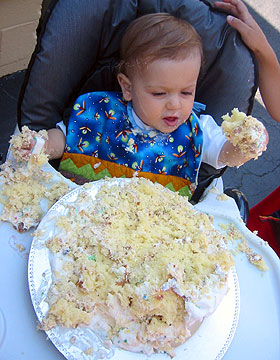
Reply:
x=211 y=340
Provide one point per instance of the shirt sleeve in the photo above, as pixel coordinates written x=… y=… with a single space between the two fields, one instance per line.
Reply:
x=213 y=141
x=62 y=127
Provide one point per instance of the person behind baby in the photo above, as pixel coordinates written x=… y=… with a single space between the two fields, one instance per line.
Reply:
x=153 y=133
x=255 y=39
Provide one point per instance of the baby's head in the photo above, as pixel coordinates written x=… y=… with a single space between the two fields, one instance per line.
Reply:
x=160 y=62
x=157 y=36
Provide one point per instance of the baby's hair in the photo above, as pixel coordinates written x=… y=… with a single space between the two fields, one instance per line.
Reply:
x=156 y=36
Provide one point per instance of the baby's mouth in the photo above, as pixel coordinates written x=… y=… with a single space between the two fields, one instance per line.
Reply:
x=170 y=120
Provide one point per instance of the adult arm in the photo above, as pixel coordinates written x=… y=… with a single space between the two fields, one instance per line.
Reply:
x=255 y=39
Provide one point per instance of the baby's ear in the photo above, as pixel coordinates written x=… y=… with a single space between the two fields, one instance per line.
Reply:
x=125 y=84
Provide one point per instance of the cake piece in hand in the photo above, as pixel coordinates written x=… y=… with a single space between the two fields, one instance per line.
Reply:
x=29 y=146
x=27 y=191
x=246 y=132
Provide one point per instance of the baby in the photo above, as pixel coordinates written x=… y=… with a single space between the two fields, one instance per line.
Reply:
x=151 y=129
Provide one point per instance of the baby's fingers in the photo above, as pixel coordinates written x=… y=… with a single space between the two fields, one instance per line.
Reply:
x=28 y=146
x=264 y=141
x=258 y=148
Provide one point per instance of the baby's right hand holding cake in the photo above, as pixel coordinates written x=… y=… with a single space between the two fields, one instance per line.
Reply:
x=27 y=143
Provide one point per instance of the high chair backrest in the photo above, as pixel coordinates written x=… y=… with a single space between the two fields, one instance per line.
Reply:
x=78 y=48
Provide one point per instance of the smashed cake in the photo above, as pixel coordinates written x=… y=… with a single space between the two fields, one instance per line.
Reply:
x=137 y=263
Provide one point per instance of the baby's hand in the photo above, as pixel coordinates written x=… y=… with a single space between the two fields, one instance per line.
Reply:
x=25 y=151
x=245 y=132
x=255 y=147
x=28 y=142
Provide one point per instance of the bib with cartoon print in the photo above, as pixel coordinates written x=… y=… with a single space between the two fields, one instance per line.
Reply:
x=103 y=140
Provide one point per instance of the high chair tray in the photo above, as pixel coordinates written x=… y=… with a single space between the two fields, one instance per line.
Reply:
x=256 y=334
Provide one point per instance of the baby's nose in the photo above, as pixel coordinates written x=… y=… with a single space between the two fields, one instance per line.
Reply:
x=173 y=103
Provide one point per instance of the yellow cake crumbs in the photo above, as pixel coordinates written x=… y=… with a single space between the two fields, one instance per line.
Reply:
x=89 y=351
x=20 y=247
x=24 y=139
x=140 y=258
x=24 y=185
x=245 y=131
x=222 y=197
x=233 y=235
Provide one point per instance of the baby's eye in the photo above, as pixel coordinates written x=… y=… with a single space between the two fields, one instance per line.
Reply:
x=186 y=93
x=158 y=93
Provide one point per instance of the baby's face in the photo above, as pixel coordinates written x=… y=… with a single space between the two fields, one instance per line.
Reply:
x=163 y=93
